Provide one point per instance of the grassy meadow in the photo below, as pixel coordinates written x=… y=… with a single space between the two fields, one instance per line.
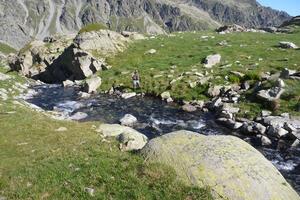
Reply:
x=252 y=54
x=39 y=162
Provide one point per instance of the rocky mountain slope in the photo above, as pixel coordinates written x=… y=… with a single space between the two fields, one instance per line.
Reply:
x=22 y=20
x=295 y=21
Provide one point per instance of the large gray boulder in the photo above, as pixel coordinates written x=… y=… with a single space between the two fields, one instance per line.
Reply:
x=63 y=59
x=80 y=63
x=229 y=166
x=129 y=138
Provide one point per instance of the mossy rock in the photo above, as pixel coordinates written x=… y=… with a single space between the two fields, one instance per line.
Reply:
x=232 y=168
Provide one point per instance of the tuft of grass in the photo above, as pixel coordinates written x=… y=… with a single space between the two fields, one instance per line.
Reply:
x=92 y=27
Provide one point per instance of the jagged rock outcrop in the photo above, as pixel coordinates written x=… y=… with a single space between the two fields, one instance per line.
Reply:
x=21 y=20
x=294 y=21
x=60 y=59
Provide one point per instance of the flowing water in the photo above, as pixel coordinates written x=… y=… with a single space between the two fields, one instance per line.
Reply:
x=154 y=118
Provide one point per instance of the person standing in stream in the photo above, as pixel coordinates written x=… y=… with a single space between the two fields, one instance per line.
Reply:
x=136 y=80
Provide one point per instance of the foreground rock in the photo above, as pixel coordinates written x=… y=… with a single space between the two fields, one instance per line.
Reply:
x=129 y=138
x=229 y=166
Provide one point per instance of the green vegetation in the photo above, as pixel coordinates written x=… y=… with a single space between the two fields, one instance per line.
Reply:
x=38 y=162
x=92 y=27
x=252 y=54
x=5 y=49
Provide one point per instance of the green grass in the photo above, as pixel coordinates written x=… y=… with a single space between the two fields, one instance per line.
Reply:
x=248 y=53
x=37 y=162
x=92 y=27
x=6 y=49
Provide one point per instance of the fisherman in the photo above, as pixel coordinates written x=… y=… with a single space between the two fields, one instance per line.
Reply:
x=136 y=79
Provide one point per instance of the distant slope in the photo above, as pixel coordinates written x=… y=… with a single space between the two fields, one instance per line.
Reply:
x=22 y=20
x=295 y=21
x=248 y=13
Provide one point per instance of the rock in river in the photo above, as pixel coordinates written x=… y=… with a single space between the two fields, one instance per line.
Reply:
x=128 y=120
x=189 y=108
x=128 y=95
x=229 y=166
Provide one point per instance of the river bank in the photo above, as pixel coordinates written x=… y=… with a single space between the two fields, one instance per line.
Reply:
x=155 y=118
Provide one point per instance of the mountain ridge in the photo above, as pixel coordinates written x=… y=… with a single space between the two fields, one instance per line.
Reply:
x=23 y=20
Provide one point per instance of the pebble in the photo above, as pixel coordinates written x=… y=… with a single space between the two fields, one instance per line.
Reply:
x=90 y=191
